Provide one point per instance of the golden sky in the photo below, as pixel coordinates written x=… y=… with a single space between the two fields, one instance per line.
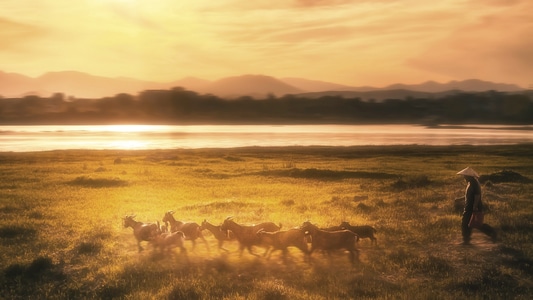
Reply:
x=360 y=42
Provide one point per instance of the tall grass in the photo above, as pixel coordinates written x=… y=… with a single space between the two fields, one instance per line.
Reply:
x=62 y=237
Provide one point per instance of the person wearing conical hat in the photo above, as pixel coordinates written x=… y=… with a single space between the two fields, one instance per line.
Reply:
x=472 y=203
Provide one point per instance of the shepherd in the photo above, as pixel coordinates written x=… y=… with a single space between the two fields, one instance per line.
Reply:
x=473 y=209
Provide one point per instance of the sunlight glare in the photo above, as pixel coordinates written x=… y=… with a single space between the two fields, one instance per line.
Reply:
x=129 y=128
x=128 y=145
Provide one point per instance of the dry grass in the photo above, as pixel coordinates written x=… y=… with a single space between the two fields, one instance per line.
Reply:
x=61 y=232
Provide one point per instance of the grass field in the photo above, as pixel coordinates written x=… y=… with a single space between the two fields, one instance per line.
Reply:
x=62 y=236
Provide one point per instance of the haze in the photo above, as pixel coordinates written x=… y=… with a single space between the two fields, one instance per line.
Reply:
x=348 y=42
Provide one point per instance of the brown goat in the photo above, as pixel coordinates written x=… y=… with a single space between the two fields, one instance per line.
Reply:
x=362 y=231
x=332 y=228
x=281 y=240
x=331 y=240
x=141 y=231
x=220 y=235
x=247 y=234
x=166 y=241
x=191 y=230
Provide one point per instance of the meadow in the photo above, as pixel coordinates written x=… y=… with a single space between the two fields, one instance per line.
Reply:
x=62 y=233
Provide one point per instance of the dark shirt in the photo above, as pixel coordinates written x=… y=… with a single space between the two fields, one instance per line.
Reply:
x=472 y=189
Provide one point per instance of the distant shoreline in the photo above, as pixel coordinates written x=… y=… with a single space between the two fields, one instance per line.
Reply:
x=483 y=126
x=523 y=149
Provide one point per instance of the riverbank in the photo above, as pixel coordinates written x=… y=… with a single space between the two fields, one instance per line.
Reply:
x=62 y=235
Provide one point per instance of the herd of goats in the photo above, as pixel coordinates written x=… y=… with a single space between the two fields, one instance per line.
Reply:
x=268 y=235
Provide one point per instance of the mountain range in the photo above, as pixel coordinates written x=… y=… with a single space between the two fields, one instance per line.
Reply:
x=83 y=85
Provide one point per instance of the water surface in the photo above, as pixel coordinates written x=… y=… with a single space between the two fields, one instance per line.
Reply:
x=41 y=138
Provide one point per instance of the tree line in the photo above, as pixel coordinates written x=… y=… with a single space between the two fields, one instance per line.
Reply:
x=180 y=106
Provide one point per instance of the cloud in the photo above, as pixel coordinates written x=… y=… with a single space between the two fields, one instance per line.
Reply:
x=134 y=15
x=246 y=5
x=497 y=45
x=377 y=40
x=316 y=3
x=14 y=35
x=498 y=2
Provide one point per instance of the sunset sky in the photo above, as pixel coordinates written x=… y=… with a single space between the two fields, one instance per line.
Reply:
x=360 y=42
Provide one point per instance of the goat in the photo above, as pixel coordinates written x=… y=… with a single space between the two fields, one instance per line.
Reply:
x=247 y=234
x=163 y=228
x=332 y=228
x=220 y=235
x=191 y=230
x=141 y=231
x=281 y=240
x=331 y=240
x=167 y=241
x=362 y=231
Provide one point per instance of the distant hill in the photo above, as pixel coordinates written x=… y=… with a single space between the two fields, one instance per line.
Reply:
x=190 y=83
x=470 y=85
x=89 y=86
x=13 y=84
x=83 y=85
x=379 y=95
x=70 y=83
x=429 y=89
x=317 y=86
x=250 y=85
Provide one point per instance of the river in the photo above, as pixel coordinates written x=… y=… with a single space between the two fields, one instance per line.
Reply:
x=60 y=137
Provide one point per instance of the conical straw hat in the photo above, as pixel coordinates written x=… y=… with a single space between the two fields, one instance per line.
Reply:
x=468 y=172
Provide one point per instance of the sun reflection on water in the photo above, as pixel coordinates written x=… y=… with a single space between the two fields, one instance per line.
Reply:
x=128 y=145
x=131 y=128
x=140 y=137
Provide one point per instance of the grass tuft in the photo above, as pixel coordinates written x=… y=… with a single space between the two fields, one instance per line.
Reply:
x=17 y=231
x=88 y=182
x=504 y=176
x=9 y=209
x=233 y=158
x=89 y=248
x=14 y=270
x=39 y=266
x=319 y=174
x=289 y=202
x=411 y=183
x=184 y=292
x=112 y=291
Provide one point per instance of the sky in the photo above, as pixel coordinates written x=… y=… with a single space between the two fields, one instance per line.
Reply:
x=358 y=43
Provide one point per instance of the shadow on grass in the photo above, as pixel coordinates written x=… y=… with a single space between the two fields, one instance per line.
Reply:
x=516 y=259
x=483 y=285
x=318 y=174
x=504 y=176
x=89 y=248
x=17 y=231
x=40 y=268
x=411 y=182
x=221 y=205
x=88 y=182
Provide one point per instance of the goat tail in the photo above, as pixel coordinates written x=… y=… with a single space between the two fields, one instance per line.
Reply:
x=280 y=225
